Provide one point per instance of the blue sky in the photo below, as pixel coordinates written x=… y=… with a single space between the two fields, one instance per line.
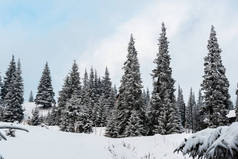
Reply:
x=96 y=33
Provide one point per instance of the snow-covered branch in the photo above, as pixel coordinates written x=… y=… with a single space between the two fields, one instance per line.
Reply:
x=218 y=143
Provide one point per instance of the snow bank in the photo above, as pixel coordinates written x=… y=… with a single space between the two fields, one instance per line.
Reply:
x=218 y=143
x=231 y=114
x=43 y=143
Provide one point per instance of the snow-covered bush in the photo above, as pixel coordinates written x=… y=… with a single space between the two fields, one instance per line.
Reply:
x=217 y=143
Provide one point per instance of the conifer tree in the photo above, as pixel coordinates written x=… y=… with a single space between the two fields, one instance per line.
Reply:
x=72 y=85
x=8 y=77
x=76 y=116
x=197 y=113
x=215 y=84
x=35 y=120
x=19 y=83
x=45 y=94
x=13 y=109
x=108 y=97
x=236 y=107
x=162 y=113
x=31 y=98
x=189 y=123
x=181 y=105
x=1 y=85
x=130 y=98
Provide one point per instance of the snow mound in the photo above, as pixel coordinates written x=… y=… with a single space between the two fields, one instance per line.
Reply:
x=218 y=143
x=231 y=114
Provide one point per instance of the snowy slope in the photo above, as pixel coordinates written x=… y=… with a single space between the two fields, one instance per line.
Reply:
x=29 y=107
x=43 y=143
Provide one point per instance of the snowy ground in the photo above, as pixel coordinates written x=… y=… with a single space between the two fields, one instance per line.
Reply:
x=43 y=143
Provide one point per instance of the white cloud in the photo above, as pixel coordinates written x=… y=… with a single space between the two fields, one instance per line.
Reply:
x=188 y=25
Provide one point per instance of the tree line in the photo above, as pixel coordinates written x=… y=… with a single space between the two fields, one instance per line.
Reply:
x=131 y=110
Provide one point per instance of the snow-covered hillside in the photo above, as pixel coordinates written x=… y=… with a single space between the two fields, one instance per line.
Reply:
x=50 y=143
x=29 y=107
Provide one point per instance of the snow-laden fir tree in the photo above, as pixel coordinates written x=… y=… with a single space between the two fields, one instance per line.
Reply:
x=71 y=85
x=108 y=95
x=31 y=98
x=45 y=94
x=215 y=84
x=13 y=100
x=197 y=112
x=130 y=101
x=13 y=104
x=35 y=119
x=19 y=83
x=181 y=105
x=236 y=107
x=1 y=85
x=64 y=95
x=111 y=127
x=135 y=125
x=76 y=116
x=189 y=122
x=146 y=99
x=162 y=113
x=8 y=77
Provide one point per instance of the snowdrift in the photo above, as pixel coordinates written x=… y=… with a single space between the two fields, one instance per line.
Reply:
x=219 y=143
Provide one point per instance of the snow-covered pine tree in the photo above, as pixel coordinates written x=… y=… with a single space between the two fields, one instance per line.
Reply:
x=181 y=105
x=162 y=113
x=111 y=127
x=135 y=125
x=108 y=97
x=35 y=119
x=236 y=107
x=1 y=100
x=45 y=94
x=85 y=79
x=64 y=95
x=13 y=109
x=189 y=122
x=31 y=98
x=76 y=116
x=8 y=77
x=19 y=83
x=72 y=85
x=146 y=99
x=215 y=84
x=197 y=112
x=75 y=79
x=130 y=97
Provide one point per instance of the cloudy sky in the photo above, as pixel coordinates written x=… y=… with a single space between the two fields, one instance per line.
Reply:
x=96 y=33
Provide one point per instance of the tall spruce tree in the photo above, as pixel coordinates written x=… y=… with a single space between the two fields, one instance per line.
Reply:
x=1 y=85
x=129 y=107
x=189 y=123
x=72 y=85
x=31 y=98
x=13 y=105
x=215 y=85
x=197 y=113
x=108 y=97
x=181 y=105
x=45 y=94
x=236 y=107
x=19 y=83
x=162 y=114
x=8 y=77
